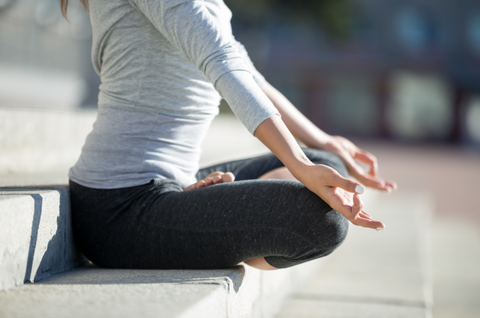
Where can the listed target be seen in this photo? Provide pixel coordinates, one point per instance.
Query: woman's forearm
(275, 136)
(299, 125)
(305, 131)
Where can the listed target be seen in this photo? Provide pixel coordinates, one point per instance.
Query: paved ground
(450, 173)
(452, 176)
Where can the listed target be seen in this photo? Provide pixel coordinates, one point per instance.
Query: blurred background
(395, 69)
(403, 70)
(399, 77)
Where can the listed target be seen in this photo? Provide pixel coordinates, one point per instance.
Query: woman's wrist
(274, 134)
(299, 169)
(321, 140)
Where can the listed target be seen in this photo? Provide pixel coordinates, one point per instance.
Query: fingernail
(359, 189)
(375, 165)
(379, 229)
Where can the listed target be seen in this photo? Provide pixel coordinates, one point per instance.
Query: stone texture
(333, 309)
(35, 238)
(115, 300)
(94, 292)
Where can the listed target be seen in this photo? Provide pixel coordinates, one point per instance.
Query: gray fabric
(160, 226)
(164, 65)
(130, 147)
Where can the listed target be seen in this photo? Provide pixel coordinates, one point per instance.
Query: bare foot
(260, 263)
(212, 178)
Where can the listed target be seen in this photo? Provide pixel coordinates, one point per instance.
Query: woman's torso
(155, 106)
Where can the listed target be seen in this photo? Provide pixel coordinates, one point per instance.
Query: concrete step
(35, 235)
(375, 274)
(94, 292)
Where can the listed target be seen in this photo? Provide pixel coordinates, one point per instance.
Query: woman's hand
(348, 152)
(340, 193)
(212, 178)
(309, 134)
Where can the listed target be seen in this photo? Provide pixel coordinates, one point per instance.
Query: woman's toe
(228, 177)
(214, 174)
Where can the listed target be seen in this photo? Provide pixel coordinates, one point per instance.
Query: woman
(164, 65)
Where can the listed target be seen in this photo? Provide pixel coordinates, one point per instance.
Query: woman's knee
(328, 233)
(316, 241)
(337, 232)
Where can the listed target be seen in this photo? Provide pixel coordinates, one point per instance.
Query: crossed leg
(279, 173)
(222, 177)
(276, 170)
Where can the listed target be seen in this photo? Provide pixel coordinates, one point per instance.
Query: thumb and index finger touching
(356, 213)
(369, 178)
(368, 159)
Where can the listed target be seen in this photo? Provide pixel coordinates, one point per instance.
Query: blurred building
(408, 69)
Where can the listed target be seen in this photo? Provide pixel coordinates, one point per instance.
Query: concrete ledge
(35, 239)
(94, 292)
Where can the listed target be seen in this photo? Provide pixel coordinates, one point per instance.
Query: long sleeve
(246, 58)
(193, 30)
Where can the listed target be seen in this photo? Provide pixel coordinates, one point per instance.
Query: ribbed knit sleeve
(190, 27)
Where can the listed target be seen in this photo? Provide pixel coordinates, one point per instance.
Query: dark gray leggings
(160, 226)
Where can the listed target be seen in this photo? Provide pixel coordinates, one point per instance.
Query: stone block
(90, 291)
(35, 239)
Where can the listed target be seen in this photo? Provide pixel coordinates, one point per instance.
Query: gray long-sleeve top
(164, 65)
